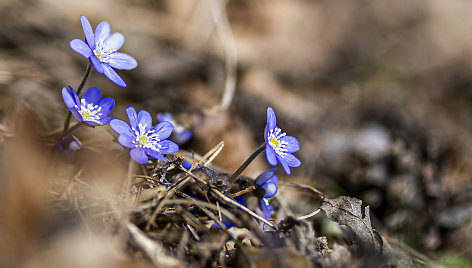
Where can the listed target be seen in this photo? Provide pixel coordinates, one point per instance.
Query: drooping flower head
(143, 139)
(91, 109)
(279, 146)
(180, 134)
(268, 181)
(67, 146)
(101, 49)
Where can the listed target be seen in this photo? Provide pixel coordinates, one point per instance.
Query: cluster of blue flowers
(101, 49)
(140, 135)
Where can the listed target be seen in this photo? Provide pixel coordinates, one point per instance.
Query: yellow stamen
(274, 142)
(87, 115)
(143, 139)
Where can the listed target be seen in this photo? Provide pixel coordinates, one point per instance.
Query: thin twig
(206, 211)
(153, 250)
(206, 159)
(308, 215)
(245, 209)
(320, 194)
(245, 191)
(224, 211)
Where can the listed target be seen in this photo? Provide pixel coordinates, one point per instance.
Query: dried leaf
(346, 210)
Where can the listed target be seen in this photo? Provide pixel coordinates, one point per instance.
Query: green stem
(247, 162)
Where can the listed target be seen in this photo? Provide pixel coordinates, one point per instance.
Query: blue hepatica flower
(180, 135)
(268, 181)
(225, 220)
(91, 109)
(67, 146)
(101, 49)
(143, 139)
(279, 146)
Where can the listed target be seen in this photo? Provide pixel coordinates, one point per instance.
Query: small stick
(234, 203)
(210, 155)
(155, 252)
(308, 215)
(304, 187)
(245, 191)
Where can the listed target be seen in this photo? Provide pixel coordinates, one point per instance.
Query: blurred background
(379, 94)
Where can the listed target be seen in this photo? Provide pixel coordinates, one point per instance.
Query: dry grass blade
(205, 160)
(309, 215)
(153, 250)
(234, 203)
(303, 187)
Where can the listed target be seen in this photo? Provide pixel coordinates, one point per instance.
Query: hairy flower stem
(79, 89)
(247, 162)
(126, 186)
(70, 130)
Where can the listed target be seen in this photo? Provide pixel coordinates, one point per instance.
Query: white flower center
(89, 112)
(274, 138)
(146, 139)
(101, 53)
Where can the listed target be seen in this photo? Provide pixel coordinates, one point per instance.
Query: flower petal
(182, 137)
(122, 61)
(265, 176)
(271, 119)
(138, 155)
(92, 95)
(126, 140)
(70, 98)
(92, 123)
(107, 105)
(120, 127)
(292, 161)
(270, 155)
(155, 154)
(165, 117)
(292, 144)
(114, 42)
(96, 64)
(102, 32)
(265, 209)
(240, 199)
(163, 129)
(106, 120)
(168, 147)
(271, 189)
(133, 117)
(113, 76)
(81, 47)
(145, 119)
(88, 32)
(284, 164)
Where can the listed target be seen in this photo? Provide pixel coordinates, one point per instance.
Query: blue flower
(180, 135)
(227, 223)
(279, 146)
(143, 139)
(91, 109)
(67, 146)
(101, 49)
(268, 181)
